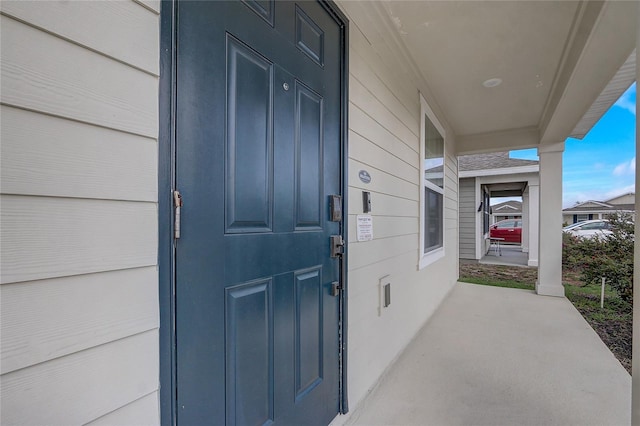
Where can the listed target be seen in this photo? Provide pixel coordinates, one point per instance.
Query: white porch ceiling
(556, 60)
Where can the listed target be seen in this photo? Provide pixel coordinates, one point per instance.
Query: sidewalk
(496, 356)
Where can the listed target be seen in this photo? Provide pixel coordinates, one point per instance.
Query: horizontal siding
(363, 254)
(47, 319)
(141, 412)
(393, 266)
(382, 182)
(467, 218)
(49, 156)
(153, 5)
(131, 29)
(363, 73)
(81, 387)
(362, 58)
(45, 237)
(384, 205)
(45, 73)
(381, 159)
(365, 126)
(78, 177)
(386, 226)
(360, 95)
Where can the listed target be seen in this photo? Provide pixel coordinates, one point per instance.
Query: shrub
(610, 256)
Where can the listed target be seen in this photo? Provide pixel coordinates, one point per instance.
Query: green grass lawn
(494, 283)
(588, 298)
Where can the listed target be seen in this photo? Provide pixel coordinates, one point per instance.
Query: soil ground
(613, 323)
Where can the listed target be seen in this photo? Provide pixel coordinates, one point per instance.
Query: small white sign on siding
(364, 227)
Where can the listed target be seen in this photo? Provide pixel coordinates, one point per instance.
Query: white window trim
(431, 256)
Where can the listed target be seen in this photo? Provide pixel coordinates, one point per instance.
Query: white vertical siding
(384, 129)
(79, 292)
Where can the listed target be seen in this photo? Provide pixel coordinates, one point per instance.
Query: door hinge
(177, 204)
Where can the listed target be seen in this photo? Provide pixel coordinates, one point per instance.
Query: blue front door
(258, 154)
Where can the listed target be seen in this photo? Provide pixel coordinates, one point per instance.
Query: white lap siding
(79, 280)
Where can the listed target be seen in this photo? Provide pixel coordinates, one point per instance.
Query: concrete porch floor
(497, 356)
(511, 255)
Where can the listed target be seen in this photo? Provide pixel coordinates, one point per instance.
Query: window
(432, 186)
(594, 225)
(581, 217)
(507, 224)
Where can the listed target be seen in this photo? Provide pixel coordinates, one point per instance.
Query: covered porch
(499, 356)
(522, 75)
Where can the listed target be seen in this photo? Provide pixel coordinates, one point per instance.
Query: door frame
(167, 184)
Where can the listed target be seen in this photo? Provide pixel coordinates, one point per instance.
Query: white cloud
(628, 101)
(626, 168)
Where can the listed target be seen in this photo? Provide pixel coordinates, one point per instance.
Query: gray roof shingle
(495, 160)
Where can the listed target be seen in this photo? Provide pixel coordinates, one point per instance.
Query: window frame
(427, 257)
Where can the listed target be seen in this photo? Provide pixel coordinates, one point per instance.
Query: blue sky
(602, 165)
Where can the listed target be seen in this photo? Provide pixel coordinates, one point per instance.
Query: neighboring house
(511, 209)
(483, 176)
(232, 300)
(600, 209)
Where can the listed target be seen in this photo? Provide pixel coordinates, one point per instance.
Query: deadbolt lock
(335, 288)
(337, 246)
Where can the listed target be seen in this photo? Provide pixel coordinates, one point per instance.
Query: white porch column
(550, 224)
(534, 223)
(525, 221)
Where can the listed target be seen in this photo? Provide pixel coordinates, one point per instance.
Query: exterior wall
(571, 218)
(384, 129)
(79, 285)
(468, 208)
(623, 199)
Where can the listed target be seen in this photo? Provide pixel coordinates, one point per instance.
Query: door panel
(249, 141)
(308, 333)
(309, 157)
(258, 154)
(309, 37)
(249, 346)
